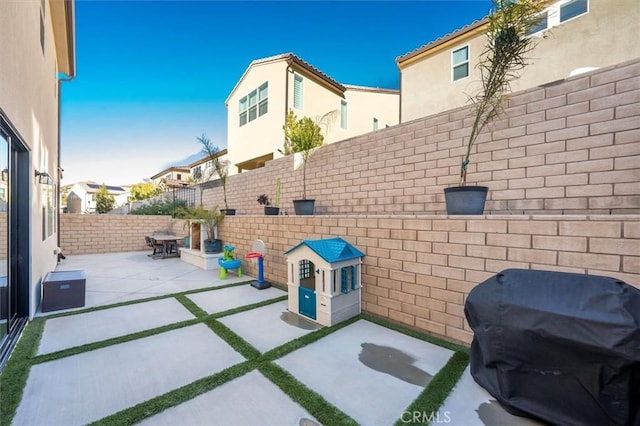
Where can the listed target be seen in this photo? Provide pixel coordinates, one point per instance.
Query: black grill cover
(562, 347)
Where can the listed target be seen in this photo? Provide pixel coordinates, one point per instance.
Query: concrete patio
(110, 359)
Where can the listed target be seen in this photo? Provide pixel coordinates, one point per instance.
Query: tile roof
(445, 38)
(294, 59)
(330, 249)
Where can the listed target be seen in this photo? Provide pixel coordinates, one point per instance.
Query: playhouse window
(348, 279)
(305, 269)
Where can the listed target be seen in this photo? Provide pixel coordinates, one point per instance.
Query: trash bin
(561, 347)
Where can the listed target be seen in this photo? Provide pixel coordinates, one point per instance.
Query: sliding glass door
(7, 312)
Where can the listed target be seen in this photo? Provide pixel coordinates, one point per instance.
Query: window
(542, 24)
(375, 123)
(263, 104)
(572, 9)
(242, 107)
(305, 269)
(179, 176)
(460, 63)
(343, 114)
(347, 279)
(297, 91)
(560, 12)
(254, 105)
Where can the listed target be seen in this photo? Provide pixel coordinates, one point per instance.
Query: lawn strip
(415, 333)
(236, 342)
(114, 341)
(148, 299)
(325, 412)
(195, 310)
(175, 397)
(248, 307)
(433, 396)
(15, 373)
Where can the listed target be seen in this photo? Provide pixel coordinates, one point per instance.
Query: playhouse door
(307, 302)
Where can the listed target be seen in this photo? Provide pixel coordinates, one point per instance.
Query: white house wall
(364, 106)
(29, 98)
(607, 35)
(263, 135)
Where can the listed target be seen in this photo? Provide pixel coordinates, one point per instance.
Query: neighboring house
(178, 176)
(573, 36)
(204, 166)
(82, 197)
(172, 177)
(269, 87)
(37, 47)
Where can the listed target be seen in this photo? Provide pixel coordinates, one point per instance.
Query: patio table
(167, 241)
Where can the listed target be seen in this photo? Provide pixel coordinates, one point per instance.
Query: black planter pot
(303, 207)
(271, 211)
(228, 212)
(465, 199)
(213, 246)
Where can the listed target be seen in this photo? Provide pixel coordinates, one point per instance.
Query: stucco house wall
(29, 101)
(606, 35)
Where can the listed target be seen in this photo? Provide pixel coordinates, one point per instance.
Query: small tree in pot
(271, 210)
(220, 167)
(505, 55)
(209, 219)
(303, 136)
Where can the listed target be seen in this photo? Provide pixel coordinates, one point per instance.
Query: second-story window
(375, 123)
(254, 105)
(343, 114)
(297, 91)
(460, 63)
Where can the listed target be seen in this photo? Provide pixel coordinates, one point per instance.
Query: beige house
(204, 166)
(573, 36)
(37, 44)
(258, 104)
(172, 176)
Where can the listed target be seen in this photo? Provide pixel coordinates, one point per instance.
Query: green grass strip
(433, 396)
(13, 378)
(147, 299)
(325, 412)
(196, 310)
(175, 397)
(248, 307)
(415, 333)
(236, 342)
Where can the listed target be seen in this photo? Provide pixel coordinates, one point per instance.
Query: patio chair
(158, 247)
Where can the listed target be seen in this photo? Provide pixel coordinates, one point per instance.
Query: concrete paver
(69, 331)
(370, 372)
(269, 326)
(248, 400)
(233, 297)
(79, 389)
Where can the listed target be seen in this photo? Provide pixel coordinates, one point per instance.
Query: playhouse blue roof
(330, 249)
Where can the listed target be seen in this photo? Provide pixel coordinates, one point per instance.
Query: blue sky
(154, 75)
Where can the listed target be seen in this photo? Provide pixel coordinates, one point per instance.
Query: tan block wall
(569, 148)
(83, 233)
(418, 270)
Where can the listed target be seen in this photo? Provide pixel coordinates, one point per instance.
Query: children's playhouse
(323, 280)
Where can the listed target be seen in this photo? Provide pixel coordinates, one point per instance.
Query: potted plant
(221, 168)
(302, 136)
(209, 219)
(271, 210)
(505, 55)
